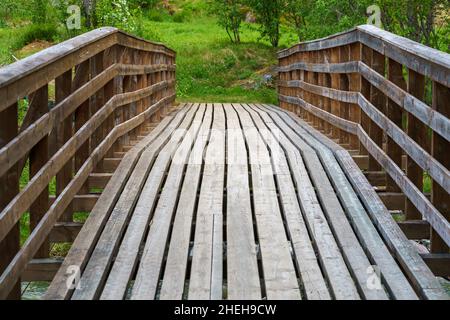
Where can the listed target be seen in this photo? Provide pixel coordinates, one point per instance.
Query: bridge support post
(38, 158)
(394, 112)
(9, 188)
(63, 88)
(440, 148)
(82, 115)
(418, 132)
(355, 86)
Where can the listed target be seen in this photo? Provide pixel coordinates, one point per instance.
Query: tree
(230, 17)
(268, 14)
(296, 13)
(414, 19)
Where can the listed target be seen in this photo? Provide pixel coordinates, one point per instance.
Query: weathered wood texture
(388, 77)
(233, 201)
(69, 135)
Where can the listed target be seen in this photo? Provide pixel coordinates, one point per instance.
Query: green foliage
(230, 16)
(33, 32)
(268, 15)
(40, 8)
(296, 12)
(417, 19)
(117, 13)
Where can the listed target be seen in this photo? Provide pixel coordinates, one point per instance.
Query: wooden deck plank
(353, 253)
(173, 284)
(206, 279)
(278, 268)
(393, 277)
(318, 227)
(177, 151)
(242, 266)
(305, 257)
(334, 266)
(86, 240)
(96, 270)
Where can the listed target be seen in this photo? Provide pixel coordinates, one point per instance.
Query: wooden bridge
(227, 201)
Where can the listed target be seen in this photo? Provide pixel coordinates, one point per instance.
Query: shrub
(117, 13)
(181, 16)
(268, 15)
(33, 32)
(230, 16)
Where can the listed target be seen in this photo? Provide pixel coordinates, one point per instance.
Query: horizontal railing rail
(62, 112)
(388, 98)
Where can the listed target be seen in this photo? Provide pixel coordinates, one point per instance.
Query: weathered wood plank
(13, 211)
(175, 273)
(94, 275)
(9, 187)
(242, 267)
(90, 233)
(177, 150)
(206, 278)
(364, 232)
(373, 244)
(440, 196)
(41, 270)
(63, 89)
(278, 269)
(310, 274)
(338, 276)
(421, 277)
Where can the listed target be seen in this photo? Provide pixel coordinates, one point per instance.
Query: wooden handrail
(430, 62)
(109, 86)
(353, 87)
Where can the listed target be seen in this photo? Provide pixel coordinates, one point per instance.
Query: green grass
(212, 69)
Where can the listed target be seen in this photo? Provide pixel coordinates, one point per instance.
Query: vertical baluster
(9, 188)
(63, 88)
(315, 81)
(378, 99)
(327, 83)
(394, 113)
(81, 117)
(440, 151)
(418, 132)
(119, 87)
(321, 82)
(366, 57)
(355, 86)
(344, 56)
(109, 58)
(97, 101)
(335, 84)
(38, 158)
(127, 86)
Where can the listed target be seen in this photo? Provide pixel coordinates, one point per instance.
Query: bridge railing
(84, 99)
(389, 98)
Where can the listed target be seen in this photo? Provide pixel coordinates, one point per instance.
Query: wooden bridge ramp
(236, 201)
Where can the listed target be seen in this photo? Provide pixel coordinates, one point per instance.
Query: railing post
(377, 98)
(440, 151)
(344, 56)
(335, 84)
(63, 88)
(109, 58)
(394, 112)
(366, 57)
(38, 158)
(97, 101)
(9, 188)
(418, 132)
(355, 86)
(81, 117)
